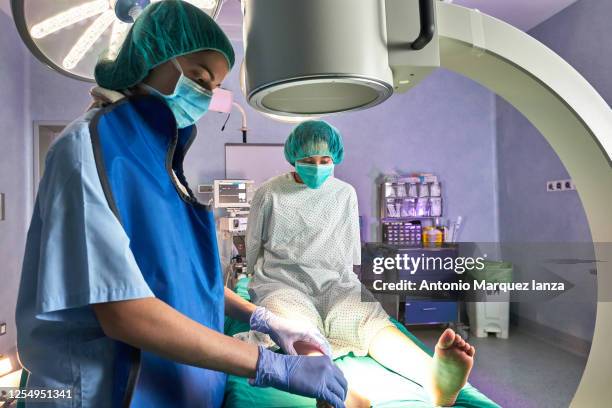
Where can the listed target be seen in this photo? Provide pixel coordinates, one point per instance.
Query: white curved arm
(575, 120)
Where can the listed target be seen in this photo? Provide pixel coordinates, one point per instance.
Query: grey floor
(522, 371)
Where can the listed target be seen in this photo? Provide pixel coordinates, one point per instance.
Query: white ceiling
(524, 14)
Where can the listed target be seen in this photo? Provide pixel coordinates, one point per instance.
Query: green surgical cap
(165, 30)
(314, 138)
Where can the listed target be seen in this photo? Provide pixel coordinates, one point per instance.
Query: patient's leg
(353, 400)
(443, 376)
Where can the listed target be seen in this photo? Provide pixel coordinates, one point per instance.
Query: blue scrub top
(109, 225)
(77, 254)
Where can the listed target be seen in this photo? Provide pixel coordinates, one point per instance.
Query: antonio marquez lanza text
(405, 285)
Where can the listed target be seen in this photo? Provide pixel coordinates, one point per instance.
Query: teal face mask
(314, 175)
(189, 101)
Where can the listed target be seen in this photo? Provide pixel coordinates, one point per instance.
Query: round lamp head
(320, 95)
(70, 35)
(315, 57)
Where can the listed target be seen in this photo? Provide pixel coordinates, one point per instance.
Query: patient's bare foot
(453, 360)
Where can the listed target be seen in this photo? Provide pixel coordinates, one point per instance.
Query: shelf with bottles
(428, 231)
(411, 211)
(415, 196)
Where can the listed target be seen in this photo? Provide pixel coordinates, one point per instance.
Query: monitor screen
(233, 193)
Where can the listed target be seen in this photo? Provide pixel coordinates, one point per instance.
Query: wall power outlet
(560, 185)
(2, 329)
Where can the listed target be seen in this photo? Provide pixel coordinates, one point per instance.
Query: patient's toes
(447, 339)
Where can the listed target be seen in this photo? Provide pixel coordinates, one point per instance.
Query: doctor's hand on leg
(315, 377)
(137, 322)
(285, 333)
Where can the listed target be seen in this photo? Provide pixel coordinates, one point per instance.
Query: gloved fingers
(260, 320)
(336, 388)
(318, 340)
(334, 400)
(285, 344)
(323, 343)
(339, 376)
(289, 349)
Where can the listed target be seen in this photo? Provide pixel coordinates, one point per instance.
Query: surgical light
(70, 35)
(316, 57)
(293, 120)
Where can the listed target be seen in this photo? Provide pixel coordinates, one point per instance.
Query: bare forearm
(238, 308)
(154, 326)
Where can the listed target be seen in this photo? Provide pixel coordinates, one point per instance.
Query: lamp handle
(428, 24)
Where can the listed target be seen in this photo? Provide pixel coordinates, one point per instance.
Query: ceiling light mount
(128, 10)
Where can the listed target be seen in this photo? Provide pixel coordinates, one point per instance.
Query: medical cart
(410, 205)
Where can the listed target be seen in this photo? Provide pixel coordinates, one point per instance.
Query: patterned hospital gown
(301, 247)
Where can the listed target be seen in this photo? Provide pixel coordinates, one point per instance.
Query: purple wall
(527, 212)
(446, 125)
(14, 172)
(54, 97)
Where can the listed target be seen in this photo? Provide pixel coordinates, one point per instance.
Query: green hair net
(314, 138)
(165, 30)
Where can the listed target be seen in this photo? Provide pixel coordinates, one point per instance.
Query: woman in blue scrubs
(122, 299)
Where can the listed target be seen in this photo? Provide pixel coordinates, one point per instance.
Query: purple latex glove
(315, 377)
(285, 332)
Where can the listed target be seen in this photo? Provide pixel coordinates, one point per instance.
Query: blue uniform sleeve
(85, 257)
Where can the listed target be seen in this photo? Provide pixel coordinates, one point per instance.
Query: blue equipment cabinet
(427, 307)
(431, 310)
